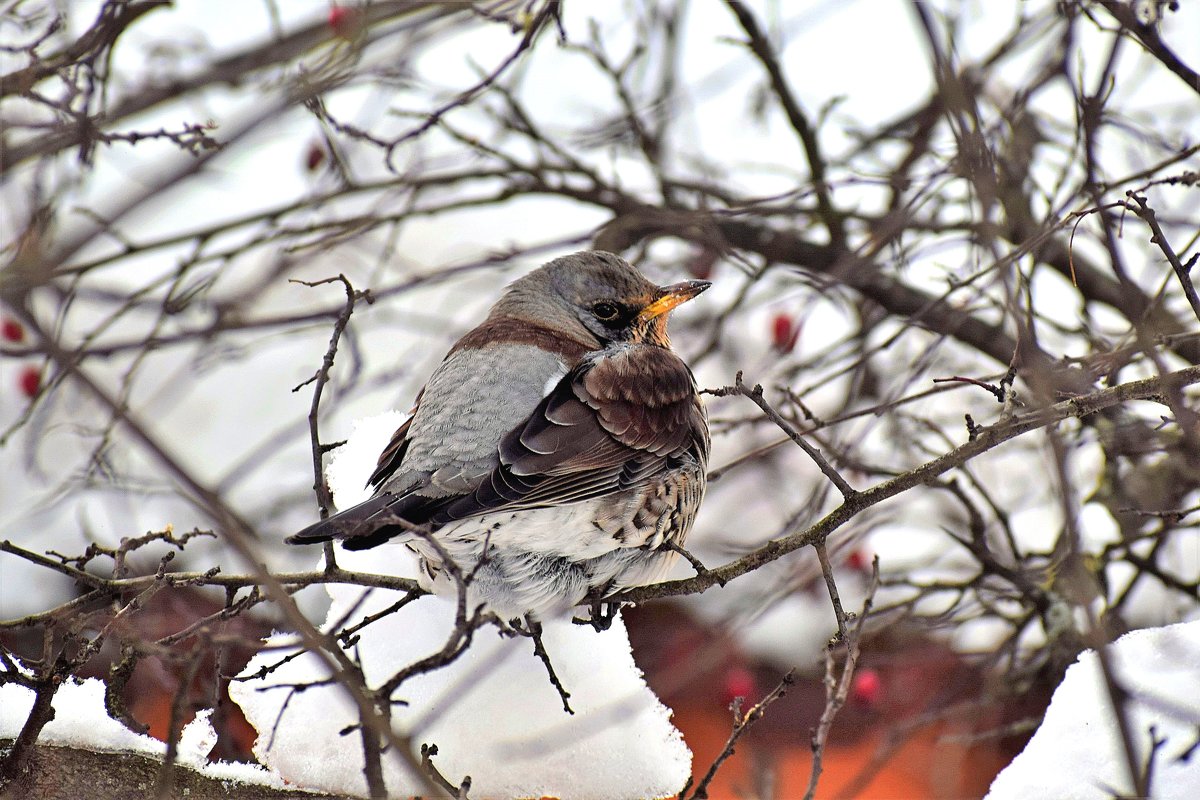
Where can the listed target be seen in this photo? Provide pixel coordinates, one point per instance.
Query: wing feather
(610, 423)
(619, 417)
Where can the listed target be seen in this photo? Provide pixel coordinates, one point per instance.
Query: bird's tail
(355, 523)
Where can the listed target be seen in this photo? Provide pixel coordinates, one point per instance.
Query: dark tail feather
(352, 523)
(372, 522)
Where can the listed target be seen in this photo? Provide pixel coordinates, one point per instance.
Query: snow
(492, 713)
(81, 721)
(347, 471)
(196, 740)
(1076, 754)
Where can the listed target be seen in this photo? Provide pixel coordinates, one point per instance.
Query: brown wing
(609, 424)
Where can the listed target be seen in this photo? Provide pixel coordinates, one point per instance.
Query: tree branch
(987, 438)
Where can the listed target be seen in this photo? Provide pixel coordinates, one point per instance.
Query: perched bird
(556, 454)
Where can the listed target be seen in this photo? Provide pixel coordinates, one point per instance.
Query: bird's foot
(600, 614)
(511, 627)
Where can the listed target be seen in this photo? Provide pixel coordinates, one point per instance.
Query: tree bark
(69, 773)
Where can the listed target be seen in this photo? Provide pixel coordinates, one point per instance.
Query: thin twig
(756, 396)
(834, 596)
(321, 377)
(548, 11)
(1182, 271)
(534, 632)
(428, 751)
(741, 724)
(796, 118)
(676, 547)
(837, 690)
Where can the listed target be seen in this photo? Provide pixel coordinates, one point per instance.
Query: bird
(558, 453)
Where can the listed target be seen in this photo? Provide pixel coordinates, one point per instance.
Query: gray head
(596, 297)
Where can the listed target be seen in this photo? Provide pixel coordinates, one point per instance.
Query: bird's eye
(605, 312)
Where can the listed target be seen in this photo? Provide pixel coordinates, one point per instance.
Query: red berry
(315, 157)
(13, 331)
(867, 687)
(739, 682)
(858, 560)
(30, 381)
(784, 333)
(345, 22)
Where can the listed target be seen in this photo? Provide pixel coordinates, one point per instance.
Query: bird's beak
(671, 296)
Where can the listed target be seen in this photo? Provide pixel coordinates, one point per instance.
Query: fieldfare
(558, 452)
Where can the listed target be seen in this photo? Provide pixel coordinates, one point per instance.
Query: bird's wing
(609, 424)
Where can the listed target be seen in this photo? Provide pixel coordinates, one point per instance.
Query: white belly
(538, 561)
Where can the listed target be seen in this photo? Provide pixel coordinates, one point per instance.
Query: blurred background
(883, 193)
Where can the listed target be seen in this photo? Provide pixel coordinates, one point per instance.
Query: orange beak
(671, 296)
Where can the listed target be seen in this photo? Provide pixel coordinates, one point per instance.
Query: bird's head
(597, 295)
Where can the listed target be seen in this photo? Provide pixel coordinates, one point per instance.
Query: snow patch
(1076, 754)
(81, 721)
(492, 713)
